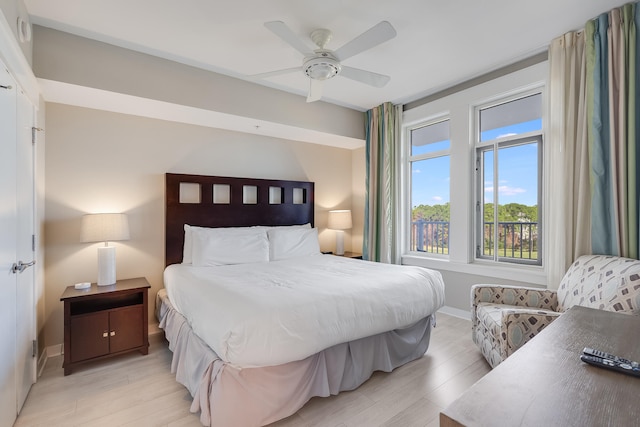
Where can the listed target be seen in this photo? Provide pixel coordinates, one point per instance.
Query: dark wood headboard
(295, 205)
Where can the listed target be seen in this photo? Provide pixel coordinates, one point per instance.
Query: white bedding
(276, 312)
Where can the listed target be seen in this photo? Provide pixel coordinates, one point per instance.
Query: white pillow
(287, 243)
(187, 248)
(222, 246)
(290, 227)
(287, 227)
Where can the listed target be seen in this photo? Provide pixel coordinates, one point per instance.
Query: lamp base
(106, 265)
(339, 242)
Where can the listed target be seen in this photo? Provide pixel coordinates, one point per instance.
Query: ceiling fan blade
(315, 90)
(374, 36)
(281, 30)
(367, 77)
(275, 73)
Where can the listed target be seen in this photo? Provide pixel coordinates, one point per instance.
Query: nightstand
(104, 321)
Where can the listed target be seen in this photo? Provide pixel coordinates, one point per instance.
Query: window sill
(522, 273)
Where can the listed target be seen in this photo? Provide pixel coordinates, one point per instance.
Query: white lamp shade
(340, 220)
(104, 227)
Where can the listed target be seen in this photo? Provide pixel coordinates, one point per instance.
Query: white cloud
(437, 198)
(416, 171)
(505, 190)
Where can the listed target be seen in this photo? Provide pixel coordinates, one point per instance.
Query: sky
(517, 175)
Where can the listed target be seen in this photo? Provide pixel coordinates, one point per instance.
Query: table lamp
(340, 220)
(105, 227)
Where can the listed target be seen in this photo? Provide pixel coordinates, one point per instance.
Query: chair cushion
(489, 315)
(498, 341)
(486, 331)
(602, 282)
(626, 297)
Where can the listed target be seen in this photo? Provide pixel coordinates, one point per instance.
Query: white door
(25, 315)
(8, 233)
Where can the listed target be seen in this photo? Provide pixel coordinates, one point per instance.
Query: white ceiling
(439, 43)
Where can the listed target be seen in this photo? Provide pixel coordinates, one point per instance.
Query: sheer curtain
(593, 132)
(380, 242)
(569, 196)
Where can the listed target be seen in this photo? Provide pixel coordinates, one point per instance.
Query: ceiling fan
(322, 64)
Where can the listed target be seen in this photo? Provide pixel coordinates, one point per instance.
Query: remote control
(599, 353)
(614, 365)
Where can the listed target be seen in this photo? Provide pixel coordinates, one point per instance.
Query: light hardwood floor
(136, 390)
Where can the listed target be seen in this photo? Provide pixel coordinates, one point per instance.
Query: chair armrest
(519, 326)
(538, 298)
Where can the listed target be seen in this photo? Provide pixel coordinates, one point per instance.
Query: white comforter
(277, 312)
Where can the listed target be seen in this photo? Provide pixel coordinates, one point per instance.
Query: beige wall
(98, 161)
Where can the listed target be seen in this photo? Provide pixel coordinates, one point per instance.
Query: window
(487, 127)
(429, 166)
(509, 178)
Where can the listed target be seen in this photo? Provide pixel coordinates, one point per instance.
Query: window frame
(477, 145)
(458, 102)
(407, 224)
(495, 145)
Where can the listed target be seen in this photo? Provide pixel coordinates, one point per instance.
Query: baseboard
(51, 351)
(455, 312)
(154, 328)
(42, 361)
(54, 350)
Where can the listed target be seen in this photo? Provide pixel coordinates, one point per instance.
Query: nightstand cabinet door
(125, 328)
(89, 336)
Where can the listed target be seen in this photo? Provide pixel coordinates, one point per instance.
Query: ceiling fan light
(321, 68)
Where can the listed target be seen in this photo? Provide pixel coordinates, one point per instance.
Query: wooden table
(546, 384)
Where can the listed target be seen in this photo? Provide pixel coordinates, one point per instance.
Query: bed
(258, 320)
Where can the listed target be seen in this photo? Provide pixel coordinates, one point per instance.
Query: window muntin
(509, 227)
(430, 171)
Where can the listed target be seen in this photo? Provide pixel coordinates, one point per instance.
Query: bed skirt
(228, 395)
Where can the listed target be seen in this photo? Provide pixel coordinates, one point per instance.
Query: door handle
(21, 266)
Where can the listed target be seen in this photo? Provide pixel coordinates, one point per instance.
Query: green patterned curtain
(381, 198)
(612, 113)
(594, 139)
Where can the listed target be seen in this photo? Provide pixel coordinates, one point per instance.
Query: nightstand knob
(105, 334)
(113, 333)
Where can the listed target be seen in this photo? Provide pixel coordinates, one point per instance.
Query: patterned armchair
(504, 318)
